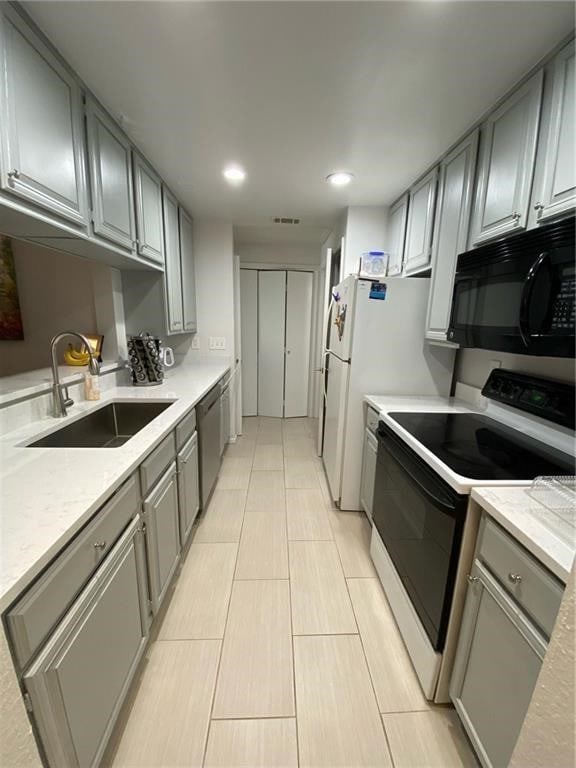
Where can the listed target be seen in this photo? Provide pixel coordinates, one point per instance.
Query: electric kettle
(147, 359)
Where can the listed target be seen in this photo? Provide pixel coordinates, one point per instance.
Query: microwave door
(535, 299)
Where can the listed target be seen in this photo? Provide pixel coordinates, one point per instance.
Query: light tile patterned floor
(279, 648)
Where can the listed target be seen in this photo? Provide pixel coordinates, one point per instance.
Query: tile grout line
(210, 718)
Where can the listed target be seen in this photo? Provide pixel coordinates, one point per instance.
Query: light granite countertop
(549, 537)
(47, 494)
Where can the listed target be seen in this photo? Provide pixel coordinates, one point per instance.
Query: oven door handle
(524, 319)
(395, 451)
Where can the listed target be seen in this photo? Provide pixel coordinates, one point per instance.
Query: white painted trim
(425, 659)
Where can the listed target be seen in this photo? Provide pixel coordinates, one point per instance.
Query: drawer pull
(100, 545)
(472, 579)
(515, 578)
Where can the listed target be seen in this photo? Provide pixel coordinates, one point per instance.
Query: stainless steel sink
(108, 427)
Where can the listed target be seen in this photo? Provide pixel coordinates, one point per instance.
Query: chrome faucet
(62, 399)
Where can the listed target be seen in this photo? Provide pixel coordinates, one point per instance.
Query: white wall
(547, 735)
(474, 365)
(214, 266)
(57, 293)
(366, 229)
(279, 253)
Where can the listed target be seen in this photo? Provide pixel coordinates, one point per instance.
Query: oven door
(420, 519)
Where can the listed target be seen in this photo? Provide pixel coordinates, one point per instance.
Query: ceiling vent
(285, 220)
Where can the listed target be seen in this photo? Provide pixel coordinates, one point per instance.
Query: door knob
(472, 579)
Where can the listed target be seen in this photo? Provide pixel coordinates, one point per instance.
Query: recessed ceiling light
(234, 174)
(340, 178)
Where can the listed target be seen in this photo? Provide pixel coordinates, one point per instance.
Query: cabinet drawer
(185, 429)
(43, 605)
(536, 590)
(155, 464)
(372, 418)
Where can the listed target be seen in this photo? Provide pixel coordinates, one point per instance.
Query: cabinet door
(42, 148)
(418, 251)
(173, 269)
(188, 486)
(110, 178)
(162, 535)
(368, 472)
(188, 279)
(508, 150)
(497, 664)
(397, 235)
(451, 232)
(149, 230)
(559, 185)
(78, 683)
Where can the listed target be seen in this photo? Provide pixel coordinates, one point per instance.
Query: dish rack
(557, 494)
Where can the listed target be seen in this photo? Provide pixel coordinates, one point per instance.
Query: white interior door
(249, 340)
(271, 336)
(321, 363)
(298, 336)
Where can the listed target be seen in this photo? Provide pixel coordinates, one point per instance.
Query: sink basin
(108, 427)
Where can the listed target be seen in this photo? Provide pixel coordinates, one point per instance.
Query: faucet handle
(66, 397)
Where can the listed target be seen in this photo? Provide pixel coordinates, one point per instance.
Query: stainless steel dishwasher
(208, 418)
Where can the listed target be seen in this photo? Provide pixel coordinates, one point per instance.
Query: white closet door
(249, 340)
(298, 330)
(271, 335)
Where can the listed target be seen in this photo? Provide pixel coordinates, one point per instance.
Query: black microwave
(518, 294)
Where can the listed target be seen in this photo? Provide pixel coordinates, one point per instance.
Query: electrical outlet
(195, 342)
(217, 342)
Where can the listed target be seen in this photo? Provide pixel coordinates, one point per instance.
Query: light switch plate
(195, 342)
(217, 342)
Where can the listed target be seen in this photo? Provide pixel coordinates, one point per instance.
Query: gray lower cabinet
(188, 275)
(418, 250)
(188, 486)
(173, 269)
(109, 154)
(79, 681)
(498, 661)
(558, 193)
(148, 198)
(368, 472)
(161, 517)
(397, 235)
(506, 165)
(451, 232)
(42, 156)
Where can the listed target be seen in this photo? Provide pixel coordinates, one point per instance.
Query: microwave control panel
(564, 306)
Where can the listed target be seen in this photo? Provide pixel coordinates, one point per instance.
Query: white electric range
(431, 452)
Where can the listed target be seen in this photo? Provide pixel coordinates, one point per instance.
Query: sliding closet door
(249, 340)
(271, 335)
(298, 329)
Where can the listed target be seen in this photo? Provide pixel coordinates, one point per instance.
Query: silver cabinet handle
(515, 578)
(472, 579)
(15, 174)
(100, 545)
(538, 207)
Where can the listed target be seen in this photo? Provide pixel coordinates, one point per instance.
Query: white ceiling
(295, 90)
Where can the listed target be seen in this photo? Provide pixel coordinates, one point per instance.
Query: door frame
(313, 384)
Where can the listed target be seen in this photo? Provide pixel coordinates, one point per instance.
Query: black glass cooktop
(481, 448)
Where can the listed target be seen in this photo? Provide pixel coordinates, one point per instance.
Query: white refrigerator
(375, 346)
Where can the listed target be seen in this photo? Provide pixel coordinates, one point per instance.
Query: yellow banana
(74, 356)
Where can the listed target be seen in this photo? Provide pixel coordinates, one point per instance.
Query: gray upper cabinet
(110, 178)
(188, 486)
(80, 679)
(418, 251)
(42, 146)
(148, 194)
(451, 232)
(188, 278)
(397, 235)
(162, 535)
(173, 269)
(506, 167)
(558, 192)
